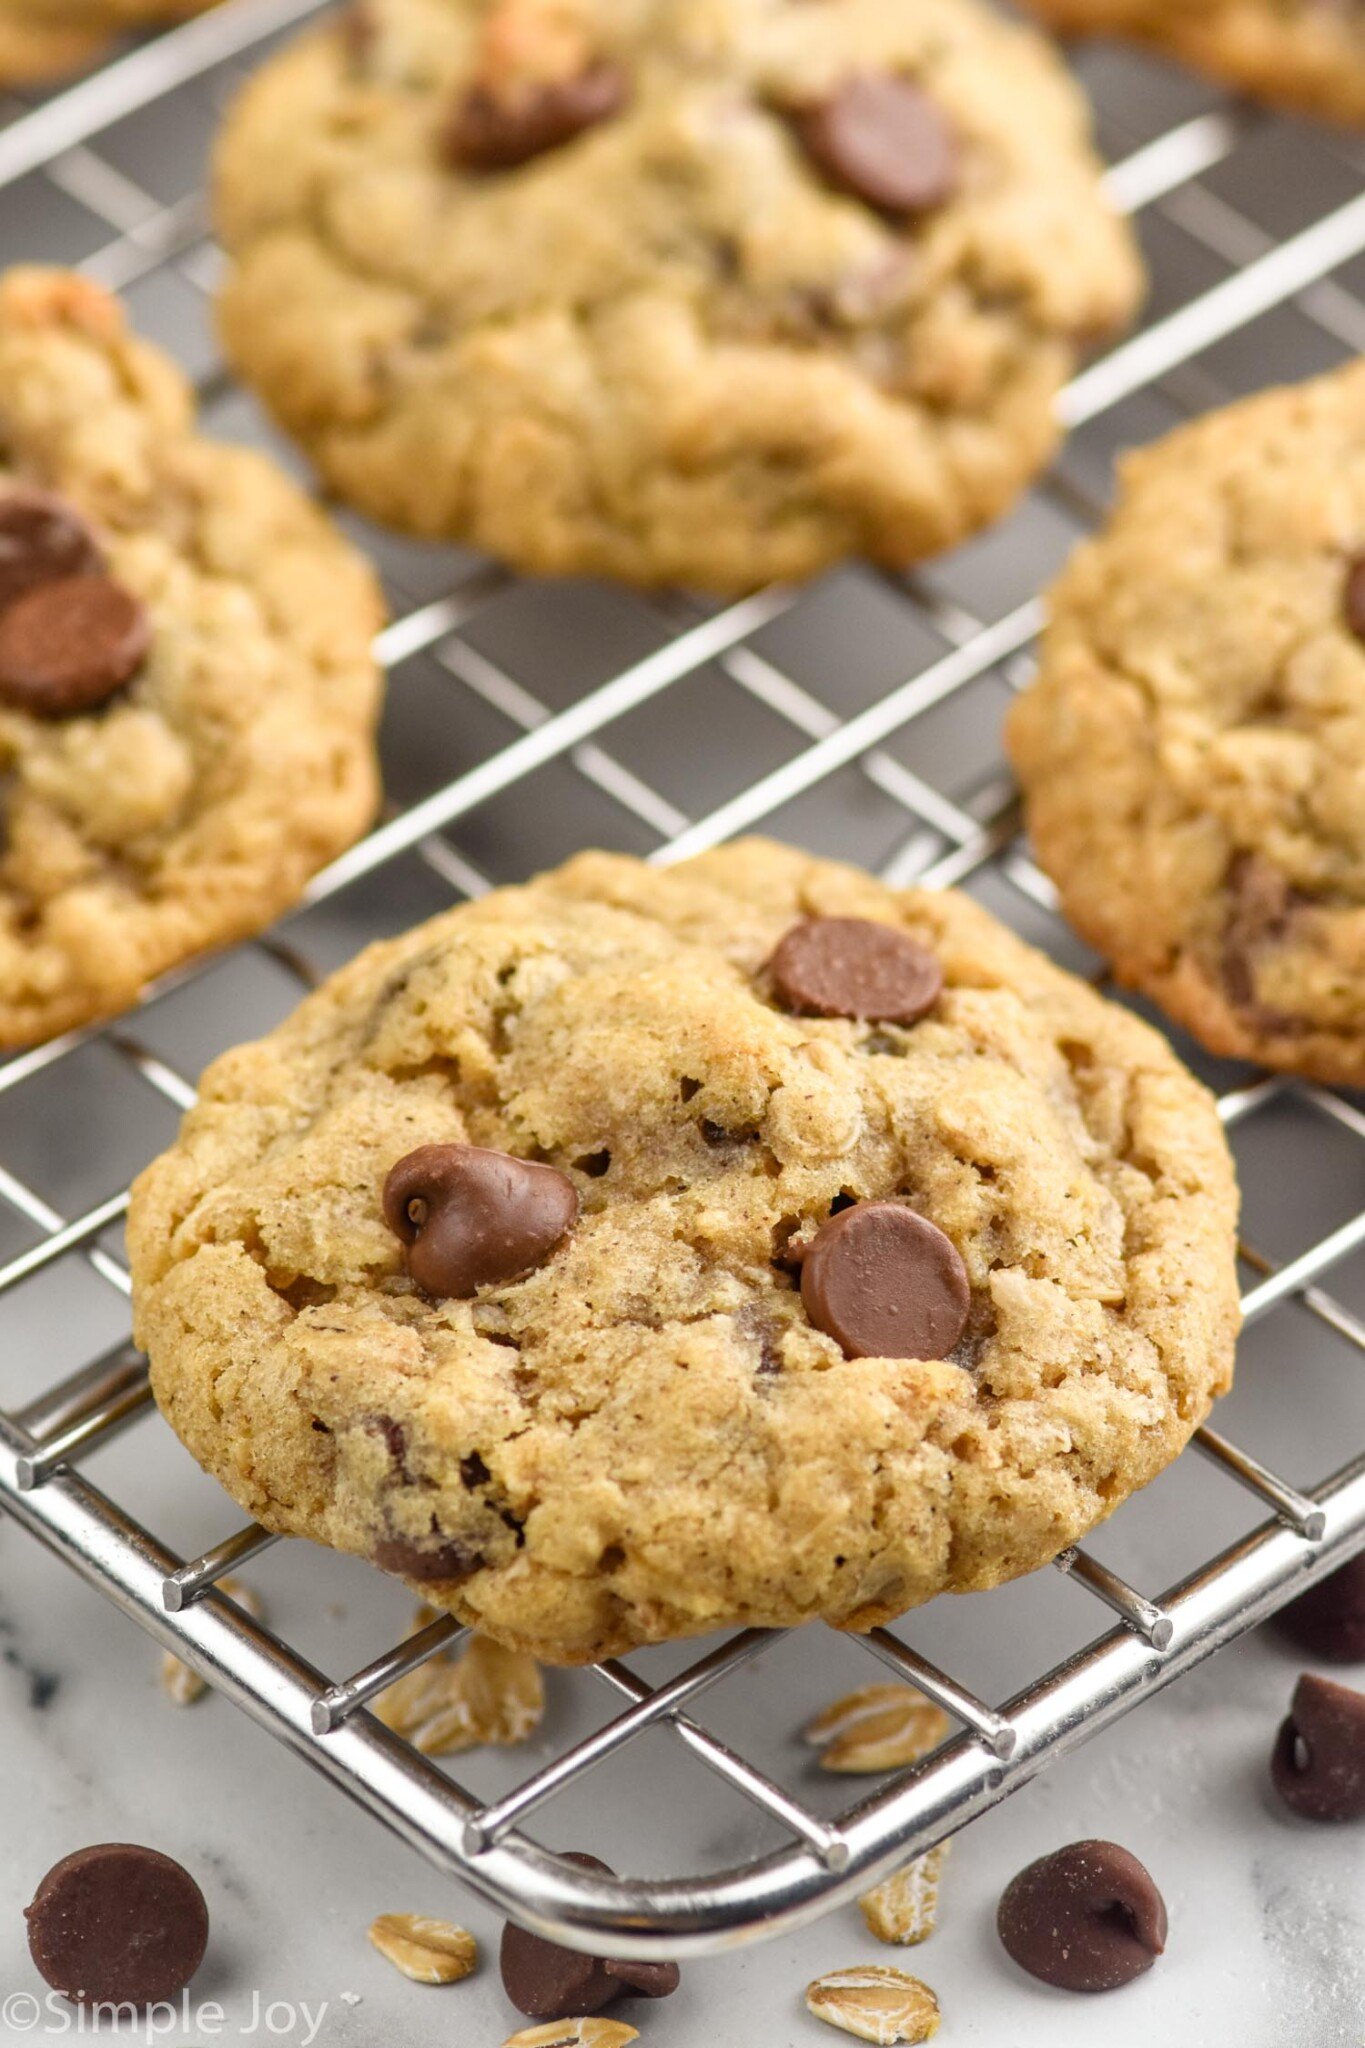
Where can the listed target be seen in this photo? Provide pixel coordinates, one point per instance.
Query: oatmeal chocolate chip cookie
(493, 1264)
(1305, 53)
(1193, 752)
(704, 291)
(187, 693)
(43, 38)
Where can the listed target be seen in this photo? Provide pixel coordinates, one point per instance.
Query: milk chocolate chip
(884, 1282)
(1318, 1763)
(67, 645)
(1329, 1619)
(119, 1925)
(472, 1218)
(854, 967)
(546, 1981)
(41, 538)
(1353, 600)
(1085, 1918)
(883, 139)
(496, 132)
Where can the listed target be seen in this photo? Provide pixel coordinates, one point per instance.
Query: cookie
(699, 291)
(589, 1265)
(1303, 53)
(187, 692)
(1193, 751)
(41, 39)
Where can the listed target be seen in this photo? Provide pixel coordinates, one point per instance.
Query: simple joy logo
(263, 2020)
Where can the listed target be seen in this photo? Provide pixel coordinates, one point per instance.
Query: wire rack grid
(859, 716)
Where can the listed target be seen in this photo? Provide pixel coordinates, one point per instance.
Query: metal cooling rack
(859, 716)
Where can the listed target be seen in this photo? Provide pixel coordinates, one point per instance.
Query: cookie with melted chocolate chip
(187, 691)
(1193, 751)
(614, 1265)
(693, 291)
(1300, 53)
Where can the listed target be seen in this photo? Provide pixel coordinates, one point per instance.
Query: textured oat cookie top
(647, 1436)
(1193, 752)
(190, 805)
(676, 340)
(1308, 53)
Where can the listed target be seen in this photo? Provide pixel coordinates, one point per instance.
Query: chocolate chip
(853, 967)
(489, 132)
(117, 1924)
(395, 1442)
(1329, 1619)
(546, 1981)
(1353, 599)
(472, 1218)
(41, 538)
(1085, 1918)
(883, 139)
(1261, 906)
(67, 645)
(1318, 1763)
(884, 1282)
(426, 1562)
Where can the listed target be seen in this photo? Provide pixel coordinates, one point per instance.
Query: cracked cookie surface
(1193, 751)
(236, 755)
(705, 291)
(646, 1436)
(1304, 53)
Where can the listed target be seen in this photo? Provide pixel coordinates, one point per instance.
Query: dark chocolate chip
(1085, 1918)
(472, 1218)
(884, 1282)
(1329, 1619)
(490, 132)
(1353, 597)
(853, 967)
(426, 1562)
(67, 645)
(42, 538)
(473, 1472)
(546, 1981)
(118, 1924)
(883, 139)
(1318, 1763)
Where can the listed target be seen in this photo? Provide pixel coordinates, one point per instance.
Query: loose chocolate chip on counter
(119, 1925)
(546, 1981)
(883, 139)
(489, 132)
(1329, 1619)
(1354, 596)
(41, 538)
(1085, 1918)
(67, 645)
(1318, 1763)
(472, 1218)
(854, 967)
(884, 1282)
